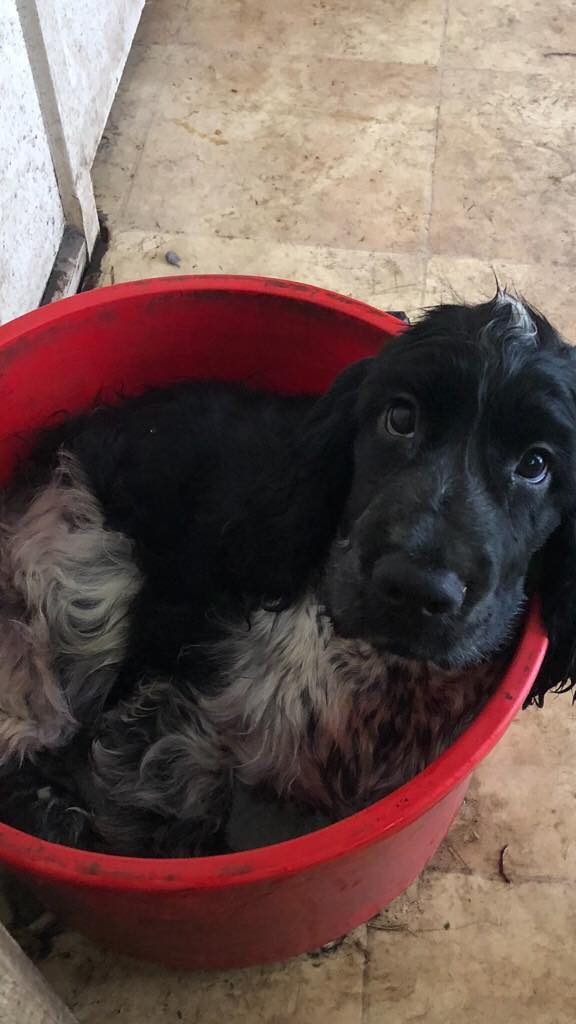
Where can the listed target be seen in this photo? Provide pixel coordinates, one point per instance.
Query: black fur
(249, 490)
(450, 500)
(243, 486)
(234, 497)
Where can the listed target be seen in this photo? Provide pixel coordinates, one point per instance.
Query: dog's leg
(66, 587)
(158, 777)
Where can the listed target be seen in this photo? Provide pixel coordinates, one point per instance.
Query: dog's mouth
(446, 641)
(413, 639)
(473, 629)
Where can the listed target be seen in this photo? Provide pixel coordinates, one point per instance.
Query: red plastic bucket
(272, 903)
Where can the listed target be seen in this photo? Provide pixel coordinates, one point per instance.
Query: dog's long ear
(313, 493)
(331, 424)
(328, 444)
(557, 590)
(555, 577)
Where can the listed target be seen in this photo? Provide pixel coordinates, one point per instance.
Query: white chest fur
(333, 722)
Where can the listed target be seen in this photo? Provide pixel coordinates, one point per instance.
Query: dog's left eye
(534, 465)
(400, 418)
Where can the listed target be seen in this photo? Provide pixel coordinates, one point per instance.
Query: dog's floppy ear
(327, 443)
(306, 494)
(557, 591)
(555, 578)
(332, 421)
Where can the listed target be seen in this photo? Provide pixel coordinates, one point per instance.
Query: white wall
(31, 217)
(60, 64)
(87, 42)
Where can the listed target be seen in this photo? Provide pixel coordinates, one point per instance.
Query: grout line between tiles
(307, 55)
(515, 882)
(415, 253)
(154, 113)
(155, 107)
(366, 976)
(428, 225)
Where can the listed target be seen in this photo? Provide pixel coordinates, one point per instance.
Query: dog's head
(463, 492)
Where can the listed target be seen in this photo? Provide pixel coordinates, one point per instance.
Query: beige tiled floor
(400, 151)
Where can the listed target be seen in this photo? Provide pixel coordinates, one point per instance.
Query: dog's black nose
(401, 582)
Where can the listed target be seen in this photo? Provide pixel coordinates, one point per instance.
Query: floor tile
(549, 287)
(505, 176)
(161, 21)
(263, 174)
(390, 281)
(233, 78)
(531, 35)
(522, 798)
(100, 987)
(401, 30)
(470, 950)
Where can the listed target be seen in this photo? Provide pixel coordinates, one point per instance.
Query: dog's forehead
(519, 351)
(460, 360)
(498, 338)
(509, 320)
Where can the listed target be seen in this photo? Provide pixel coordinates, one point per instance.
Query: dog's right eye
(400, 418)
(534, 465)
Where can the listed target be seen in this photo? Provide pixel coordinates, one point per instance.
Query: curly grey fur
(66, 586)
(325, 722)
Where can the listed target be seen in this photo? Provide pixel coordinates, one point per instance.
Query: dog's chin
(442, 647)
(447, 641)
(446, 660)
